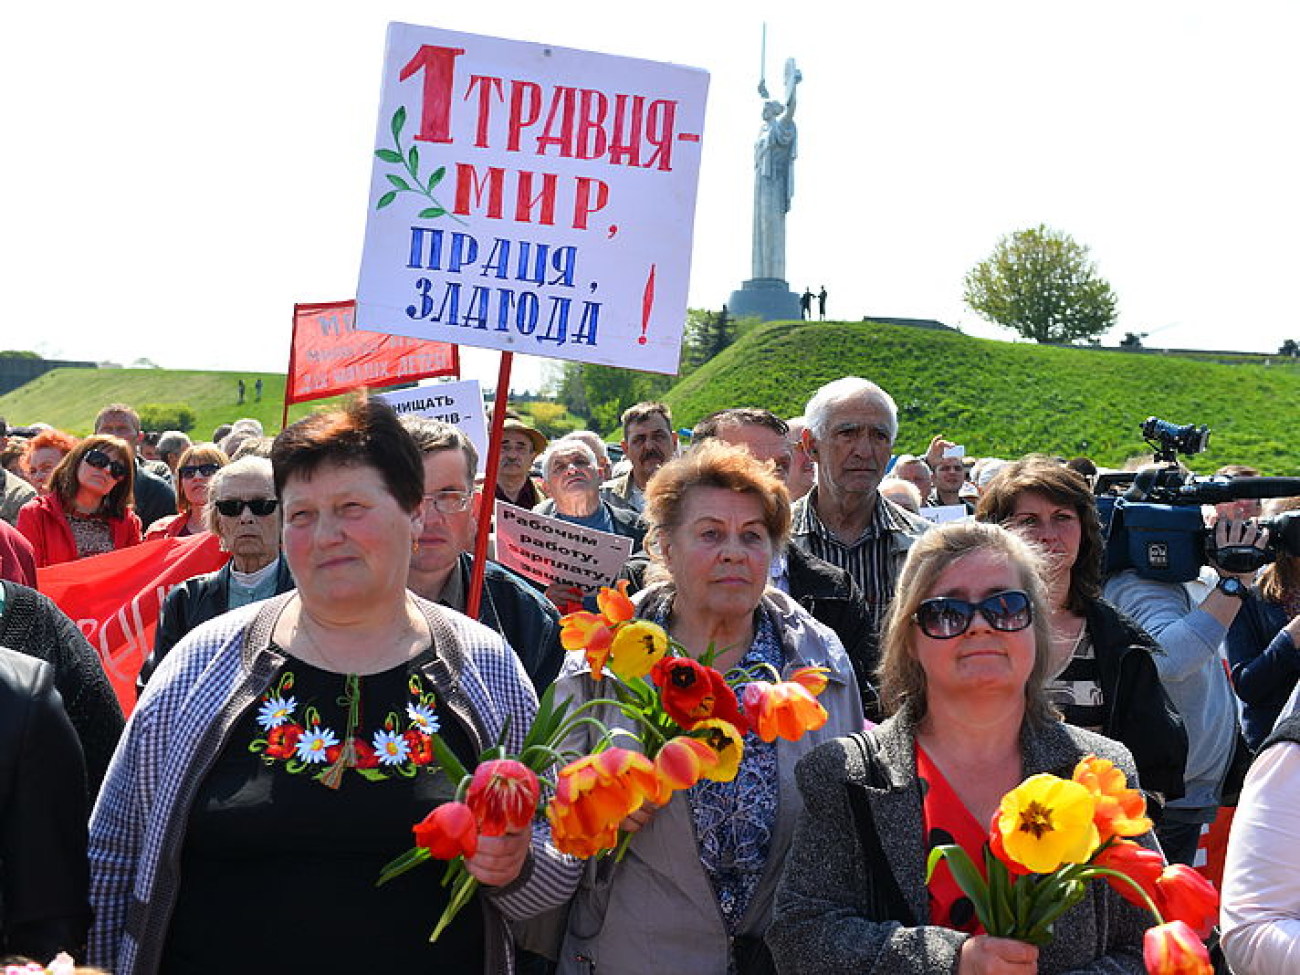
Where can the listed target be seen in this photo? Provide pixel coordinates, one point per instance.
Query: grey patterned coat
(823, 923)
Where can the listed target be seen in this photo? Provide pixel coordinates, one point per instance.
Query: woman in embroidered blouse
(1101, 675)
(194, 473)
(280, 755)
(87, 510)
(965, 653)
(694, 891)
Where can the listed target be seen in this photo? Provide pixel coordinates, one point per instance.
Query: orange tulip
(587, 632)
(785, 710)
(812, 679)
(596, 793)
(1121, 811)
(502, 794)
(614, 604)
(1182, 894)
(1137, 862)
(1174, 949)
(448, 832)
(681, 763)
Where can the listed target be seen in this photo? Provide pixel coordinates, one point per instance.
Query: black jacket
(154, 497)
(193, 602)
(34, 625)
(44, 873)
(527, 620)
(1138, 712)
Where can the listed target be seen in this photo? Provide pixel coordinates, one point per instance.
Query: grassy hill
(70, 398)
(1004, 399)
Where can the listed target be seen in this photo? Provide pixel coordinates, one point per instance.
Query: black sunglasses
(197, 470)
(98, 459)
(944, 618)
(261, 507)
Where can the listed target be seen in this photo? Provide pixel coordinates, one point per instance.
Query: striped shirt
(873, 559)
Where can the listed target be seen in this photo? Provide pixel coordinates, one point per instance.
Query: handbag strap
(885, 901)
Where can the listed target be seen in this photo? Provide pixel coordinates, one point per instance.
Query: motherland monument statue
(767, 294)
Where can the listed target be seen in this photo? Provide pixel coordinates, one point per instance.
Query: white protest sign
(944, 513)
(531, 198)
(460, 404)
(551, 550)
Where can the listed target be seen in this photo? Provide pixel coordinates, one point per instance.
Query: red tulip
(614, 604)
(1174, 949)
(691, 693)
(1137, 862)
(502, 795)
(448, 832)
(1182, 894)
(785, 710)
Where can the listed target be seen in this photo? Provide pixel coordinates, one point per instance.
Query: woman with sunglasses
(1101, 674)
(242, 511)
(964, 658)
(194, 472)
(88, 509)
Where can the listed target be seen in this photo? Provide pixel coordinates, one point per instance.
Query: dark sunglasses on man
(233, 507)
(188, 471)
(101, 461)
(944, 618)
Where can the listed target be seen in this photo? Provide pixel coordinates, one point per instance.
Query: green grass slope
(69, 398)
(1005, 399)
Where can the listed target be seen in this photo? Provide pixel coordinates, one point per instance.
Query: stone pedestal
(768, 299)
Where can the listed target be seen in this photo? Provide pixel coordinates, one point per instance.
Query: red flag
(115, 598)
(329, 356)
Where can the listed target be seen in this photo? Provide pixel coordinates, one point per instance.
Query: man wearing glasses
(243, 512)
(441, 565)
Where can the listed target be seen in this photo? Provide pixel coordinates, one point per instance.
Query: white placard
(459, 403)
(551, 550)
(944, 512)
(531, 198)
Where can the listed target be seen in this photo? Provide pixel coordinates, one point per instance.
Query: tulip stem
(1095, 871)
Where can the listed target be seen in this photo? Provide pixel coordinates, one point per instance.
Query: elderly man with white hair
(845, 520)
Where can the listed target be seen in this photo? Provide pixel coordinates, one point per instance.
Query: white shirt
(1261, 883)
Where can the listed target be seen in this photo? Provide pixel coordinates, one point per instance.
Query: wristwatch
(1232, 586)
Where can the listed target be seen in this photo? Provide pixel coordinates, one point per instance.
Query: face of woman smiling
(721, 552)
(982, 659)
(347, 540)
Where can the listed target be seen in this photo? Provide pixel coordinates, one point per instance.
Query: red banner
(115, 598)
(330, 356)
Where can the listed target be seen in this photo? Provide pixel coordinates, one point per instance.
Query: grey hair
(566, 446)
(817, 412)
(592, 439)
(244, 465)
(172, 442)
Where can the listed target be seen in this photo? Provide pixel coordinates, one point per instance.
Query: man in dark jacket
(154, 497)
(441, 565)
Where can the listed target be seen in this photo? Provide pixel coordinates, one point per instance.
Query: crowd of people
(278, 753)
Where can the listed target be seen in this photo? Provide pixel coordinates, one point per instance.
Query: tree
(1132, 340)
(1289, 348)
(1041, 283)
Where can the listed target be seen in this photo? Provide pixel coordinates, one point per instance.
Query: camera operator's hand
(1233, 544)
(1232, 537)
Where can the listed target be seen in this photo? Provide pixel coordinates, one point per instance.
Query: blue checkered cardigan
(185, 717)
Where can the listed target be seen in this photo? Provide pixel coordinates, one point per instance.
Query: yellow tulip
(637, 647)
(1047, 821)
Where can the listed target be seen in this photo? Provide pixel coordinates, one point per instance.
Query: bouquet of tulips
(686, 724)
(1051, 835)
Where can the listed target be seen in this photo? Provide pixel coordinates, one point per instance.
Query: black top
(284, 867)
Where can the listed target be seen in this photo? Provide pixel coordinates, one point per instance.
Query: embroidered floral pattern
(297, 737)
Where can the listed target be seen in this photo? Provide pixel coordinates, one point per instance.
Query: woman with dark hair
(1264, 641)
(281, 753)
(87, 510)
(194, 471)
(1101, 674)
(694, 891)
(965, 655)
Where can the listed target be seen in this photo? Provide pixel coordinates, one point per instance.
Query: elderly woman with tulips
(709, 821)
(965, 651)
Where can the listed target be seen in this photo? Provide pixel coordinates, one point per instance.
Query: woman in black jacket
(44, 877)
(1101, 675)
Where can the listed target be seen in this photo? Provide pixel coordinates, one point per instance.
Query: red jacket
(46, 526)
